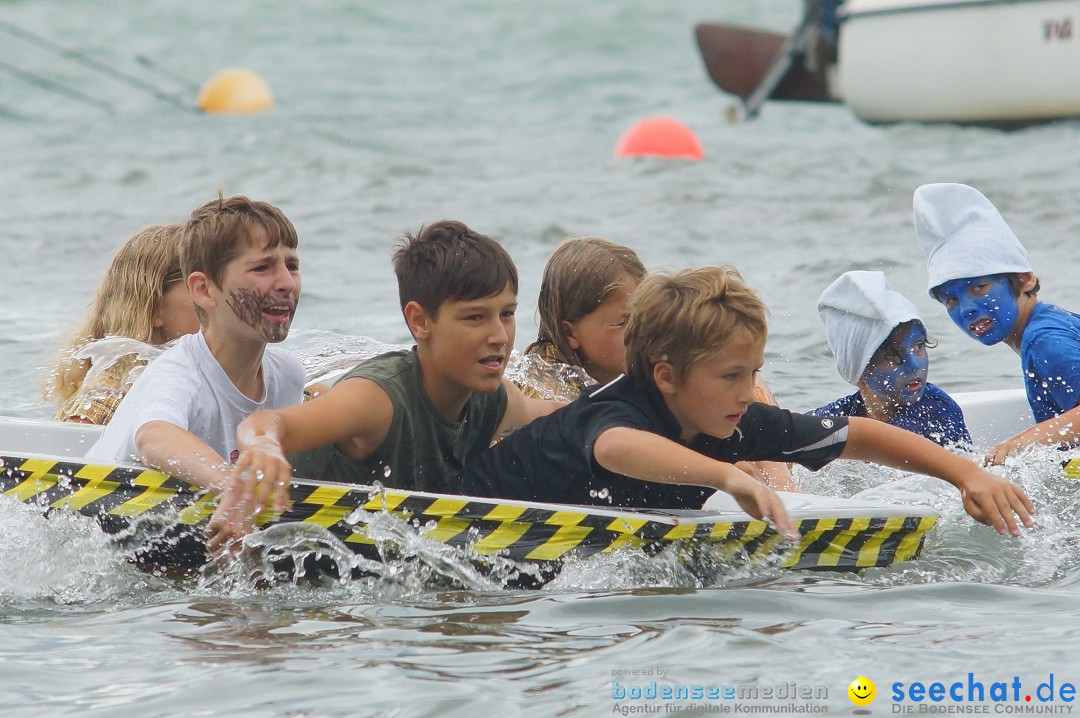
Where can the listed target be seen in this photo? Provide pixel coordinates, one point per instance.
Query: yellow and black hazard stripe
(1071, 468)
(523, 532)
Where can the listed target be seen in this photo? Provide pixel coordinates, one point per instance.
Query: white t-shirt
(187, 387)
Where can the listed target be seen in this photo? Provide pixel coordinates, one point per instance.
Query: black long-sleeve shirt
(552, 459)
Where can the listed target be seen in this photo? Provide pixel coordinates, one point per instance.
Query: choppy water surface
(504, 116)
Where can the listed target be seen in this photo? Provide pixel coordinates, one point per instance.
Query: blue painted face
(897, 372)
(983, 307)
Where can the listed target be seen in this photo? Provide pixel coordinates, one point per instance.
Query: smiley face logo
(862, 691)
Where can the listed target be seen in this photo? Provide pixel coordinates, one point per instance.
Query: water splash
(298, 554)
(959, 549)
(548, 380)
(68, 559)
(677, 566)
(326, 355)
(288, 553)
(64, 558)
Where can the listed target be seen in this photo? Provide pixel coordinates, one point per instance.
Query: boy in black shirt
(668, 433)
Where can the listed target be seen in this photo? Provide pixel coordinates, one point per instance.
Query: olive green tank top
(423, 450)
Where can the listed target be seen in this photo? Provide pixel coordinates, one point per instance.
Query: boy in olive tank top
(409, 419)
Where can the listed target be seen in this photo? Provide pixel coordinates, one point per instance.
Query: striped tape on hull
(524, 532)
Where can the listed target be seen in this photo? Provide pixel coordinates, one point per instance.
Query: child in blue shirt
(982, 274)
(880, 344)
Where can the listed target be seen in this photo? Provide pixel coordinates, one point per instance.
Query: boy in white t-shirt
(240, 264)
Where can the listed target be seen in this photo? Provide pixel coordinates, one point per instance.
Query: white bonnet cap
(963, 235)
(860, 309)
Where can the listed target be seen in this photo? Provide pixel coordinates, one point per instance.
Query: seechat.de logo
(862, 691)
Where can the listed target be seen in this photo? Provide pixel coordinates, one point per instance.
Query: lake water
(505, 115)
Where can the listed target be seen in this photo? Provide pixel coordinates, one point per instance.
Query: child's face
(717, 390)
(175, 314)
(259, 291)
(470, 340)
(897, 372)
(598, 336)
(983, 307)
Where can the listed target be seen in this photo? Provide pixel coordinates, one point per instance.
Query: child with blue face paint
(880, 343)
(982, 275)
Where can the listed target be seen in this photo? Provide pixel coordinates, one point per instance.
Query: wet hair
(446, 261)
(127, 300)
(683, 317)
(579, 276)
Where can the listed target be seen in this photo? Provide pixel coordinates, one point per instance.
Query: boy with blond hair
(667, 434)
(409, 419)
(239, 261)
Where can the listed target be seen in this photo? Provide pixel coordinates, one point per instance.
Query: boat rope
(47, 84)
(89, 62)
(153, 66)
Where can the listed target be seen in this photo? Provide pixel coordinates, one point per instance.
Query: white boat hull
(977, 61)
(40, 464)
(995, 415)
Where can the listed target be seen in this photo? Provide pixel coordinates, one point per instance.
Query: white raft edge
(34, 438)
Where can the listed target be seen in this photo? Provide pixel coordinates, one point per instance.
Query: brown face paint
(248, 307)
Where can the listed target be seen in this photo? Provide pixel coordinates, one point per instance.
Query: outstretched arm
(1062, 430)
(650, 457)
(354, 414)
(988, 498)
(177, 452)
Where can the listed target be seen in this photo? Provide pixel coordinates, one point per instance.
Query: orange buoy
(659, 137)
(236, 91)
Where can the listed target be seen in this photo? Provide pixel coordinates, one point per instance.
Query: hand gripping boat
(40, 464)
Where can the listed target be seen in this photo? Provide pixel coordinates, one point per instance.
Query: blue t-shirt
(935, 416)
(1050, 358)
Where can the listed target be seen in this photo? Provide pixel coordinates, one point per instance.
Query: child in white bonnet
(880, 343)
(982, 274)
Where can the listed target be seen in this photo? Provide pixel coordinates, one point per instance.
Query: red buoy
(659, 137)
